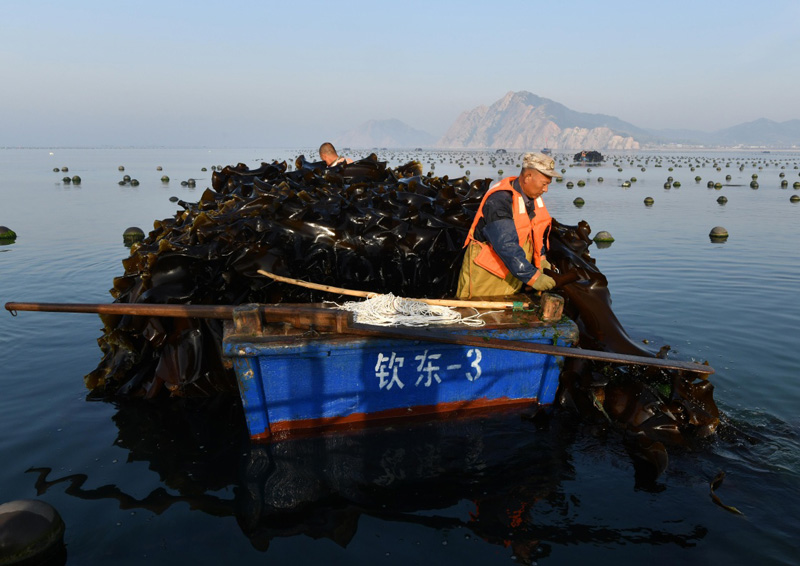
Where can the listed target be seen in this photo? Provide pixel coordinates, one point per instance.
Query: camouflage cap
(541, 162)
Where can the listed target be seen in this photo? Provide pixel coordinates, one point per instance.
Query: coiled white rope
(388, 310)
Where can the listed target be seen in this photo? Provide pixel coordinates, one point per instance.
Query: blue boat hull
(314, 384)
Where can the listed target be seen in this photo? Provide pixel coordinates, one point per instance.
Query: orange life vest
(538, 227)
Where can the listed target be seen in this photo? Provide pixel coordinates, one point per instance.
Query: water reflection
(484, 475)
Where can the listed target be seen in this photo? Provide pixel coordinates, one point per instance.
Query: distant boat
(588, 157)
(547, 150)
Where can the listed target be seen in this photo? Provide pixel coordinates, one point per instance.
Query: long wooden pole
(368, 295)
(135, 309)
(326, 319)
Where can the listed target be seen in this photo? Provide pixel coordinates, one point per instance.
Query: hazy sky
(285, 74)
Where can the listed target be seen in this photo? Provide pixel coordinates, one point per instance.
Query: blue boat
(295, 382)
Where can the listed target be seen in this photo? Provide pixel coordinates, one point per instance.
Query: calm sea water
(137, 482)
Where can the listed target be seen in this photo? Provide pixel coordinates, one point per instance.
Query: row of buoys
(126, 179)
(75, 180)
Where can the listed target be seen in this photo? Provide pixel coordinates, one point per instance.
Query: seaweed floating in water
(368, 227)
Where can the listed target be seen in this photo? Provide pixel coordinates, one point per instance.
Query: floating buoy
(698, 178)
(727, 177)
(579, 202)
(56, 169)
(7, 234)
(65, 169)
(599, 179)
(667, 185)
(132, 235)
(76, 180)
(603, 236)
(31, 532)
(784, 184)
(753, 185)
(570, 185)
(722, 200)
(718, 233)
(134, 182)
(204, 169)
(710, 184)
(718, 186)
(676, 184)
(66, 180)
(126, 178)
(581, 183)
(648, 201)
(159, 168)
(173, 199)
(626, 184)
(796, 185)
(793, 198)
(192, 183)
(164, 179)
(121, 168)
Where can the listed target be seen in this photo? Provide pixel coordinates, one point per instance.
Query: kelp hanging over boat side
(361, 226)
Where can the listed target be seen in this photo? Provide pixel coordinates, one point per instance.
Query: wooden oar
(369, 295)
(325, 319)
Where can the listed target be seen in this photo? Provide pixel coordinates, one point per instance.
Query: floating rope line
(388, 310)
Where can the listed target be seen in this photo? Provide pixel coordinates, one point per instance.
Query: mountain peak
(523, 120)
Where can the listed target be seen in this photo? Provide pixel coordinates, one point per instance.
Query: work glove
(544, 264)
(544, 283)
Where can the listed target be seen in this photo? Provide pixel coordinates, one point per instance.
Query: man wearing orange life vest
(507, 242)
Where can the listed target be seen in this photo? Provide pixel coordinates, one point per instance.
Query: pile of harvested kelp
(361, 226)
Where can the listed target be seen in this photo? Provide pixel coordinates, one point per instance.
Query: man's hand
(544, 283)
(544, 264)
